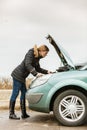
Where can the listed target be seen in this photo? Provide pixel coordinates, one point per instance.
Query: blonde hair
(40, 48)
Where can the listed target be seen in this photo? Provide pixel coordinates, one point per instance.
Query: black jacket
(30, 64)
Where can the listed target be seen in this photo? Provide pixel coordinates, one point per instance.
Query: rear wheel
(70, 108)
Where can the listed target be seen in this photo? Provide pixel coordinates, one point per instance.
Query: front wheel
(70, 108)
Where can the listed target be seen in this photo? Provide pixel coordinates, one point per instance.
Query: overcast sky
(24, 23)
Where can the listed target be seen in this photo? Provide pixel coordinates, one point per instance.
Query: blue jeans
(18, 86)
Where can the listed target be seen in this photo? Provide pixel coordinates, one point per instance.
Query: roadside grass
(6, 83)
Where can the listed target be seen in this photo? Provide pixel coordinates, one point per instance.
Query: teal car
(64, 92)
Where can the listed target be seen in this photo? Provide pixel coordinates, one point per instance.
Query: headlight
(40, 80)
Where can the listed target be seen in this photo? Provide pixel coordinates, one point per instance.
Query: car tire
(70, 108)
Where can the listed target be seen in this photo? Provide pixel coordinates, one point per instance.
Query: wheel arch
(72, 87)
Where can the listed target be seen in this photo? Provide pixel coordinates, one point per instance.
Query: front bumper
(38, 98)
(37, 101)
(34, 98)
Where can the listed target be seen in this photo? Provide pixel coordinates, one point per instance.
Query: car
(63, 92)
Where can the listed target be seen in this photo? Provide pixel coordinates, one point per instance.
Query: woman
(30, 64)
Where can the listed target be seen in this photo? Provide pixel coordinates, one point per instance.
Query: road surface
(37, 121)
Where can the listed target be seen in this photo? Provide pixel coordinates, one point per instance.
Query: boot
(23, 110)
(12, 114)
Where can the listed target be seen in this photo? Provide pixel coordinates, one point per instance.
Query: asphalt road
(37, 121)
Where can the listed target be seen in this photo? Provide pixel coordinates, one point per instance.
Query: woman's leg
(15, 92)
(23, 102)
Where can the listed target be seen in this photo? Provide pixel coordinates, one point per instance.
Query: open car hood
(65, 59)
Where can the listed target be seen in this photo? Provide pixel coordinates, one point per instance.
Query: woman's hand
(49, 72)
(39, 75)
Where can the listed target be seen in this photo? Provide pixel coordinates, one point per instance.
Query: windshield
(84, 67)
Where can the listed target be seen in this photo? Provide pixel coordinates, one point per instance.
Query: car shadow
(46, 119)
(42, 118)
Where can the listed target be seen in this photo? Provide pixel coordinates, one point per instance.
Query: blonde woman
(30, 64)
